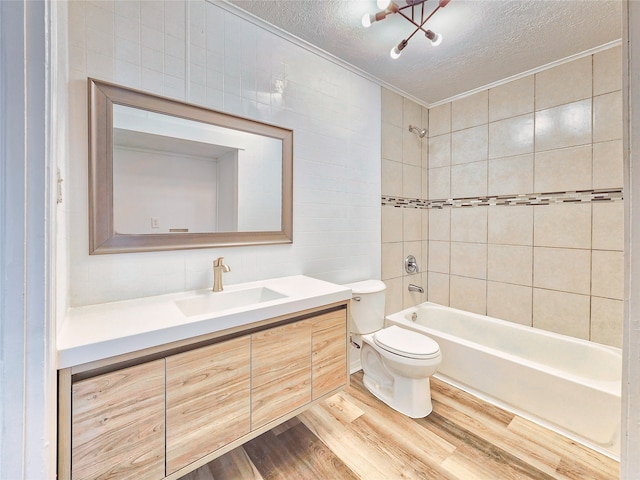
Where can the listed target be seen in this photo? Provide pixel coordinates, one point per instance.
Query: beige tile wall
(556, 267)
(404, 231)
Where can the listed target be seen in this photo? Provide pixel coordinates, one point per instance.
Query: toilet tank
(367, 306)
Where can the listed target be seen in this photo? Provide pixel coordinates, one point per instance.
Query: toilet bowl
(396, 362)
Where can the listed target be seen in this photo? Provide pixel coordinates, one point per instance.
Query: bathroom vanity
(154, 388)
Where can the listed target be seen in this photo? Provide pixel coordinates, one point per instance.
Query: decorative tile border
(552, 198)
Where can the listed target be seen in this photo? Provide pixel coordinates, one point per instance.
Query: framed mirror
(168, 175)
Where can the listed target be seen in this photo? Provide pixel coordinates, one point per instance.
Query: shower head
(421, 132)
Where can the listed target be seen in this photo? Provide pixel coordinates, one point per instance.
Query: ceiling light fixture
(417, 18)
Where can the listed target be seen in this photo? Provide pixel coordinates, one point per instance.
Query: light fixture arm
(419, 26)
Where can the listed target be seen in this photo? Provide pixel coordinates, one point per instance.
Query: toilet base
(409, 396)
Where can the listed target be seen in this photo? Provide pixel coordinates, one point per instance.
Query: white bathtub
(570, 385)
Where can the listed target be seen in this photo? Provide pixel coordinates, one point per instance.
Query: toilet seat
(406, 343)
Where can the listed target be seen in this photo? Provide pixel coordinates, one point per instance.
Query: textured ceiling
(484, 41)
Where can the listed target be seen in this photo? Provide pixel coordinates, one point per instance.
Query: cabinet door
(281, 371)
(117, 428)
(208, 400)
(329, 359)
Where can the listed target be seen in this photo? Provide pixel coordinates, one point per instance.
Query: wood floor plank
(355, 435)
(469, 403)
(478, 455)
(296, 453)
(234, 465)
(343, 409)
(538, 456)
(363, 459)
(584, 462)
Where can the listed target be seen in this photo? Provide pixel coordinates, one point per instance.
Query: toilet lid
(406, 343)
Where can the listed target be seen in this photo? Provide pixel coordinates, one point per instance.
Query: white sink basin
(210, 302)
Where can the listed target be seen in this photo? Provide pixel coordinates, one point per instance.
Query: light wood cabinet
(208, 400)
(280, 371)
(180, 407)
(117, 423)
(329, 353)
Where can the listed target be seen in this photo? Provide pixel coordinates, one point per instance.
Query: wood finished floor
(355, 436)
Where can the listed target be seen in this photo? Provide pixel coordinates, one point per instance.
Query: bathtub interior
(569, 385)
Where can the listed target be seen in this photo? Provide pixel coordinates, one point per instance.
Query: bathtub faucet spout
(415, 288)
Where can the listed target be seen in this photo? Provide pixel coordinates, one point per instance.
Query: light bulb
(366, 20)
(383, 4)
(397, 50)
(436, 40)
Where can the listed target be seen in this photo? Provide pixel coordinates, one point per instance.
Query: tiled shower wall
(404, 174)
(558, 265)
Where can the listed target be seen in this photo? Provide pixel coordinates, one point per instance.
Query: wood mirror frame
(102, 236)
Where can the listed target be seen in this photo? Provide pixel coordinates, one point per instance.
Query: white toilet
(397, 362)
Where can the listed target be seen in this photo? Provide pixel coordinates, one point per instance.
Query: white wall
(201, 53)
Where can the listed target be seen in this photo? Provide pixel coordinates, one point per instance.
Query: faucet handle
(218, 262)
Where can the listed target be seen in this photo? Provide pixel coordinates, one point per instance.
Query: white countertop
(96, 332)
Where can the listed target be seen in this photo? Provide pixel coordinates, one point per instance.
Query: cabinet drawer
(117, 423)
(329, 357)
(281, 371)
(208, 406)
(278, 351)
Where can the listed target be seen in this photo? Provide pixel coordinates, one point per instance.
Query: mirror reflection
(167, 175)
(174, 175)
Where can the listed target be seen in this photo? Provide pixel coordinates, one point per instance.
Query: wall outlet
(155, 222)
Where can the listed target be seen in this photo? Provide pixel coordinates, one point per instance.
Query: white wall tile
(440, 120)
(438, 257)
(439, 183)
(511, 99)
(607, 71)
(565, 83)
(510, 225)
(440, 224)
(439, 151)
(606, 326)
(561, 312)
(411, 181)
(607, 274)
(608, 226)
(565, 169)
(565, 225)
(512, 136)
(608, 164)
(469, 259)
(562, 269)
(564, 126)
(513, 303)
(469, 145)
(469, 224)
(392, 260)
(470, 111)
(468, 294)
(412, 224)
(438, 288)
(511, 175)
(469, 180)
(392, 107)
(510, 264)
(391, 224)
(607, 117)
